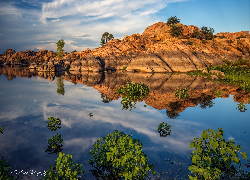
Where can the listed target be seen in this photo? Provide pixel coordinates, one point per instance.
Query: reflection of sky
(26, 104)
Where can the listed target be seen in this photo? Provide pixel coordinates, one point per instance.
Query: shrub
(164, 129)
(132, 92)
(53, 123)
(4, 170)
(124, 68)
(119, 156)
(213, 156)
(172, 20)
(64, 168)
(176, 31)
(207, 33)
(197, 34)
(181, 93)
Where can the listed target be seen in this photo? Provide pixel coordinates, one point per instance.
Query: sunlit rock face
(155, 50)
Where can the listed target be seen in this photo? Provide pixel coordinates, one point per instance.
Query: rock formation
(153, 51)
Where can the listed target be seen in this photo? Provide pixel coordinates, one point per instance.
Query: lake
(89, 109)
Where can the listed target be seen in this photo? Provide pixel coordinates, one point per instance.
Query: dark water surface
(27, 103)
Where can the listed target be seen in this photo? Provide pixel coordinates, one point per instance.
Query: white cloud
(56, 20)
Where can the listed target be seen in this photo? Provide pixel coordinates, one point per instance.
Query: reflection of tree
(164, 129)
(132, 92)
(205, 101)
(60, 86)
(105, 98)
(175, 108)
(241, 107)
(55, 144)
(119, 156)
(1, 130)
(53, 123)
(213, 157)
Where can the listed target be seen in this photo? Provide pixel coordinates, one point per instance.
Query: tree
(55, 144)
(172, 20)
(213, 157)
(64, 168)
(60, 86)
(176, 31)
(106, 37)
(119, 156)
(54, 123)
(207, 33)
(60, 45)
(131, 93)
(105, 98)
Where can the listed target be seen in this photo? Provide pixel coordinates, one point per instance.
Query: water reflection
(60, 86)
(23, 142)
(55, 144)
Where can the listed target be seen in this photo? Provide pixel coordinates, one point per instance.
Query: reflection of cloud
(84, 143)
(230, 138)
(56, 20)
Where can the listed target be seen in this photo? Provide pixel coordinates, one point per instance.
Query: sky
(39, 24)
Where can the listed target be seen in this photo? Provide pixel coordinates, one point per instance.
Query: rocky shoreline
(153, 51)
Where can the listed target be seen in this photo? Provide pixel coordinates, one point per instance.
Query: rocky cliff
(155, 50)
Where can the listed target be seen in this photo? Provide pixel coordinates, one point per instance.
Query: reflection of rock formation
(162, 87)
(12, 72)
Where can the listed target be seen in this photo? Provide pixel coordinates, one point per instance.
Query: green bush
(119, 156)
(213, 157)
(54, 123)
(241, 107)
(181, 93)
(197, 34)
(176, 31)
(4, 170)
(124, 68)
(131, 93)
(164, 129)
(207, 33)
(55, 144)
(172, 20)
(64, 168)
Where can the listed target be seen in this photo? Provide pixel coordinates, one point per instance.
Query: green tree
(119, 156)
(53, 123)
(207, 33)
(131, 93)
(106, 37)
(176, 31)
(60, 86)
(214, 155)
(4, 170)
(55, 144)
(60, 45)
(172, 20)
(164, 129)
(64, 168)
(105, 98)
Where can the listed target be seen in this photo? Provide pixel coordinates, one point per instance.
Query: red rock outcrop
(153, 51)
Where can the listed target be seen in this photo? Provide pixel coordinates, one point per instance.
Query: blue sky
(39, 24)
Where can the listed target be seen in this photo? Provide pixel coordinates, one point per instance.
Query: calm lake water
(28, 100)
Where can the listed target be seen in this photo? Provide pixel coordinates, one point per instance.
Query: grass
(237, 73)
